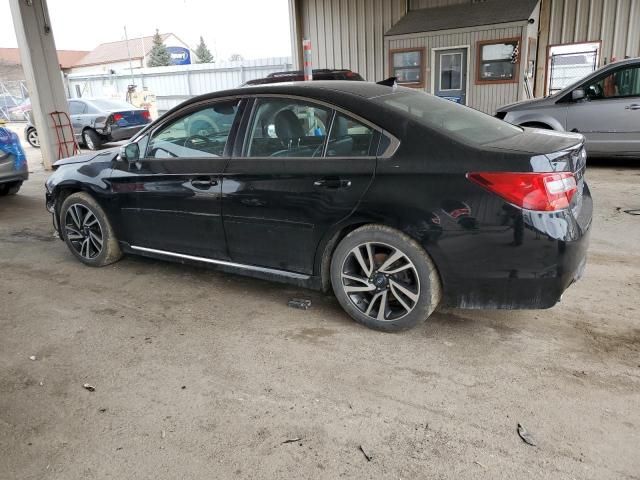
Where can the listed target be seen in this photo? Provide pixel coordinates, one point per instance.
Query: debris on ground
(301, 303)
(32, 357)
(102, 410)
(183, 387)
(292, 440)
(366, 455)
(478, 463)
(635, 211)
(163, 434)
(526, 436)
(91, 388)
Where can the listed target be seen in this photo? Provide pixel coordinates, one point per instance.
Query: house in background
(112, 57)
(484, 53)
(474, 54)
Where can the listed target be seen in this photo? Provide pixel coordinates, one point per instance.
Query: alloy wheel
(32, 138)
(83, 230)
(88, 141)
(381, 281)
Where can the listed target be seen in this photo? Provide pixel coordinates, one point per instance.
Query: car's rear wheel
(32, 138)
(10, 188)
(87, 231)
(384, 279)
(91, 139)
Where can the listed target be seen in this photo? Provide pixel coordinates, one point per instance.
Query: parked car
(99, 120)
(399, 200)
(13, 163)
(298, 76)
(604, 107)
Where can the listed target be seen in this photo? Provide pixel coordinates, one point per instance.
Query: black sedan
(99, 120)
(397, 200)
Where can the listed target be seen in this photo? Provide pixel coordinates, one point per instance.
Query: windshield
(469, 125)
(106, 104)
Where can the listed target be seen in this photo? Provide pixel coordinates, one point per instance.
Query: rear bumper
(117, 133)
(526, 266)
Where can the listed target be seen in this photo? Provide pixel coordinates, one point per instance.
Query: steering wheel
(201, 142)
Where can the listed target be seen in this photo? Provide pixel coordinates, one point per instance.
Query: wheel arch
(324, 252)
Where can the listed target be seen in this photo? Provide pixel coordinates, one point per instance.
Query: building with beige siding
(482, 53)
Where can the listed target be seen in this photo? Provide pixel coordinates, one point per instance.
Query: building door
(451, 74)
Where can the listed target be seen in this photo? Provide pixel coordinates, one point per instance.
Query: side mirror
(578, 94)
(130, 152)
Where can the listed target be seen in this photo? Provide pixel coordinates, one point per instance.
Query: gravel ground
(200, 374)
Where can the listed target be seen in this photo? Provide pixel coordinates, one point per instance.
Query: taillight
(117, 117)
(146, 115)
(532, 191)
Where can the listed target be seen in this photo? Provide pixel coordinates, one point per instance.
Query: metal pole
(308, 67)
(128, 53)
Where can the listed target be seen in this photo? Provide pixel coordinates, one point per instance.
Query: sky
(252, 28)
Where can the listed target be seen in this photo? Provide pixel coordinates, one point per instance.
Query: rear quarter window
(464, 123)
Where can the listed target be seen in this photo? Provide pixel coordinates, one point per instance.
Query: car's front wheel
(32, 138)
(384, 279)
(87, 231)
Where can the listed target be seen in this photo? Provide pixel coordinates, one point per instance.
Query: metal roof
(489, 12)
(117, 51)
(66, 58)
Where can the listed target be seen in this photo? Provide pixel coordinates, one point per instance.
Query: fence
(172, 85)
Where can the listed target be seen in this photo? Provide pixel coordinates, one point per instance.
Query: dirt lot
(199, 374)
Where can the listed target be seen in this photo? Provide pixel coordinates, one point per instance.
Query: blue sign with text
(179, 55)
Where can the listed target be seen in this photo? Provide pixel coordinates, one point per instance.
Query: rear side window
(349, 138)
(287, 128)
(467, 124)
(77, 108)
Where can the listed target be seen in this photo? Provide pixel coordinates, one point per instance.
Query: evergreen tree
(158, 56)
(203, 53)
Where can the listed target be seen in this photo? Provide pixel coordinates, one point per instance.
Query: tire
(32, 138)
(410, 285)
(10, 188)
(91, 139)
(87, 231)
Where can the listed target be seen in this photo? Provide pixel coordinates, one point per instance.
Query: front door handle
(204, 183)
(332, 182)
(633, 106)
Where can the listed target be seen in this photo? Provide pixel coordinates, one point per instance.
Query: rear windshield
(106, 104)
(469, 125)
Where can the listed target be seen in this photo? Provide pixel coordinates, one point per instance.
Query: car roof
(311, 89)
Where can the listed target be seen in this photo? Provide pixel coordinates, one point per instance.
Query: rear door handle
(204, 183)
(633, 106)
(332, 182)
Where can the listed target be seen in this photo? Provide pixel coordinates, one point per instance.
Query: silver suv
(604, 107)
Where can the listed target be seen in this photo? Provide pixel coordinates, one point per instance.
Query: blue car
(13, 163)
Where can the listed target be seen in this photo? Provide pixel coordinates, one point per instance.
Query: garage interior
(201, 374)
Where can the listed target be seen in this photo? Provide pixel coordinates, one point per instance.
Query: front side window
(199, 134)
(408, 67)
(287, 128)
(498, 61)
(349, 138)
(624, 82)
